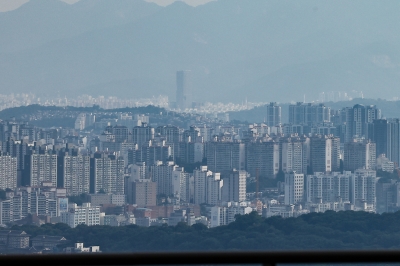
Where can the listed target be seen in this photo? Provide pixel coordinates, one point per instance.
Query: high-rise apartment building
(386, 134)
(234, 185)
(143, 193)
(262, 156)
(107, 174)
(183, 89)
(40, 168)
(200, 177)
(74, 173)
(359, 155)
(8, 172)
(172, 137)
(207, 186)
(18, 149)
(294, 188)
(328, 187)
(121, 133)
(308, 114)
(274, 114)
(295, 153)
(161, 173)
(182, 185)
(85, 214)
(142, 134)
(225, 156)
(357, 120)
(363, 188)
(324, 153)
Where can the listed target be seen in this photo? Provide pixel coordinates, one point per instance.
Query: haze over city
(259, 50)
(198, 125)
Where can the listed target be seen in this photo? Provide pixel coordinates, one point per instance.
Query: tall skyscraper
(183, 89)
(386, 135)
(357, 120)
(274, 114)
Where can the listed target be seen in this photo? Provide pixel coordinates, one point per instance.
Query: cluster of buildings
(19, 242)
(136, 169)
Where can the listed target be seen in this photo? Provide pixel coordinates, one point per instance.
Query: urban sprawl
(135, 168)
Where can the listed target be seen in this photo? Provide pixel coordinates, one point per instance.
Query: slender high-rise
(274, 114)
(183, 89)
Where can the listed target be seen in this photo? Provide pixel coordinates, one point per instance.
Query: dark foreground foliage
(330, 230)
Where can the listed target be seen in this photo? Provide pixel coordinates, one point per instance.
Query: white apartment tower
(85, 214)
(363, 187)
(294, 188)
(328, 187)
(295, 154)
(200, 184)
(182, 185)
(74, 173)
(42, 168)
(8, 172)
(107, 174)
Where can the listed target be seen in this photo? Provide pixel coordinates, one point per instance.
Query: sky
(8, 5)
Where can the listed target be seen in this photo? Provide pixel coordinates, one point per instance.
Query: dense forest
(329, 230)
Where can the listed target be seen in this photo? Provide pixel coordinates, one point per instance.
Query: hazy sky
(7, 5)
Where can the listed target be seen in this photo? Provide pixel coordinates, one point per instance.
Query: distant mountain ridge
(265, 50)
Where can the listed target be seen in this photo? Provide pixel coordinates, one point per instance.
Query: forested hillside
(329, 230)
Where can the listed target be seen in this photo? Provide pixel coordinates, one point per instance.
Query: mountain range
(259, 50)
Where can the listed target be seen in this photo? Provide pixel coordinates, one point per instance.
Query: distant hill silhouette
(265, 50)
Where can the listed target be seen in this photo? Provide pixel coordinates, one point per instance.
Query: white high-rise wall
(181, 185)
(226, 214)
(294, 188)
(328, 187)
(109, 174)
(200, 184)
(363, 187)
(295, 153)
(8, 172)
(76, 174)
(43, 168)
(85, 214)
